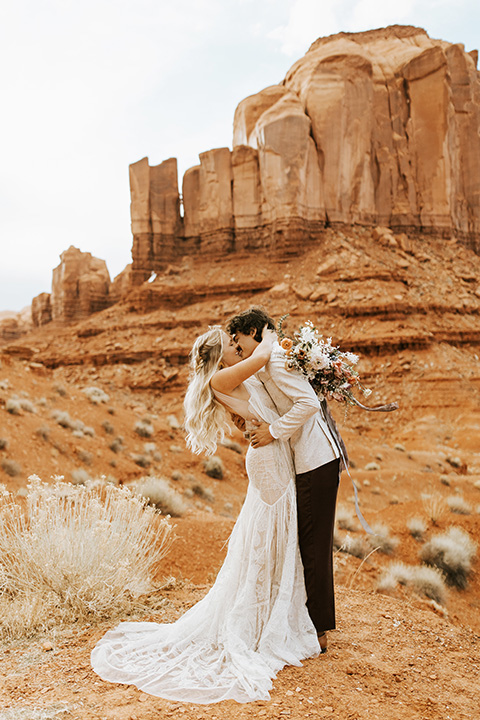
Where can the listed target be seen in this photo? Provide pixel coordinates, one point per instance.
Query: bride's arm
(227, 379)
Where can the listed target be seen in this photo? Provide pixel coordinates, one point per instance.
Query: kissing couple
(273, 599)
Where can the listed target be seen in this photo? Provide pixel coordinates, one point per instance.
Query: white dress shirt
(301, 421)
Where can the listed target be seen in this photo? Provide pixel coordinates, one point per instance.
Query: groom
(317, 452)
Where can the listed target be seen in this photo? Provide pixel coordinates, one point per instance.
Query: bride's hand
(264, 347)
(268, 337)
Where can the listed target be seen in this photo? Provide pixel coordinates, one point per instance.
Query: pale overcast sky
(90, 86)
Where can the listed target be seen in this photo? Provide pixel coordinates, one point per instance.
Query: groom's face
(245, 343)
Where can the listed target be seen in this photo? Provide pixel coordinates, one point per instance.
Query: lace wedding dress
(254, 619)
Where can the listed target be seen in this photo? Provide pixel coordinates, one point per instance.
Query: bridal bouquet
(330, 371)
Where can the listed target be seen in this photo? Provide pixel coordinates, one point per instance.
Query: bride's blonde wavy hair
(205, 417)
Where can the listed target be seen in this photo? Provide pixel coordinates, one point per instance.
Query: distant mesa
(379, 128)
(373, 128)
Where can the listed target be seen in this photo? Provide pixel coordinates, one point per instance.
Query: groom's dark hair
(255, 318)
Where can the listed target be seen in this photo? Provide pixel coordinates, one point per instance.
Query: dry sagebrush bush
(451, 552)
(457, 504)
(213, 467)
(144, 428)
(157, 492)
(382, 540)
(417, 527)
(96, 395)
(345, 519)
(423, 580)
(11, 467)
(435, 507)
(74, 553)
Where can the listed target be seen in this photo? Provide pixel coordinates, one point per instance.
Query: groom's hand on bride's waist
(261, 435)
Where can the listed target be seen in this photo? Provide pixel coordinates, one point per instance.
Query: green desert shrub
(452, 552)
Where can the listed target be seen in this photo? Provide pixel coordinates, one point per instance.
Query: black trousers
(316, 500)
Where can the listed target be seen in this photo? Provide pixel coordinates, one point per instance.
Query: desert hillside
(368, 227)
(409, 306)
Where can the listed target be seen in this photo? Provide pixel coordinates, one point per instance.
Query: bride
(254, 619)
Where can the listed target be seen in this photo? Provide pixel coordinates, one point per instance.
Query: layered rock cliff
(380, 127)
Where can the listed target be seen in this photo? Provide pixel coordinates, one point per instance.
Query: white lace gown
(252, 622)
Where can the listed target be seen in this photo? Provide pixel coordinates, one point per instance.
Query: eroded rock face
(41, 309)
(375, 128)
(80, 286)
(14, 325)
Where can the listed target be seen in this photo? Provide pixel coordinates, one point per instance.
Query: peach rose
(287, 345)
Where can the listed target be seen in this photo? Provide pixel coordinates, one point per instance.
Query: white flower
(307, 334)
(351, 358)
(318, 359)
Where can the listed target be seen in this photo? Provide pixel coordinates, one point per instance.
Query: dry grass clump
(232, 445)
(451, 552)
(457, 504)
(345, 518)
(108, 427)
(53, 712)
(43, 432)
(13, 406)
(84, 456)
(157, 492)
(116, 445)
(11, 467)
(426, 581)
(79, 429)
(96, 395)
(63, 419)
(382, 540)
(213, 467)
(80, 477)
(417, 527)
(74, 553)
(203, 492)
(3, 443)
(144, 428)
(435, 507)
(143, 461)
(356, 546)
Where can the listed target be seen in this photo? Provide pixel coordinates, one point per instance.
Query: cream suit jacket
(301, 421)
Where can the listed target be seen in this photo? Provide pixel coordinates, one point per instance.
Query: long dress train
(252, 622)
